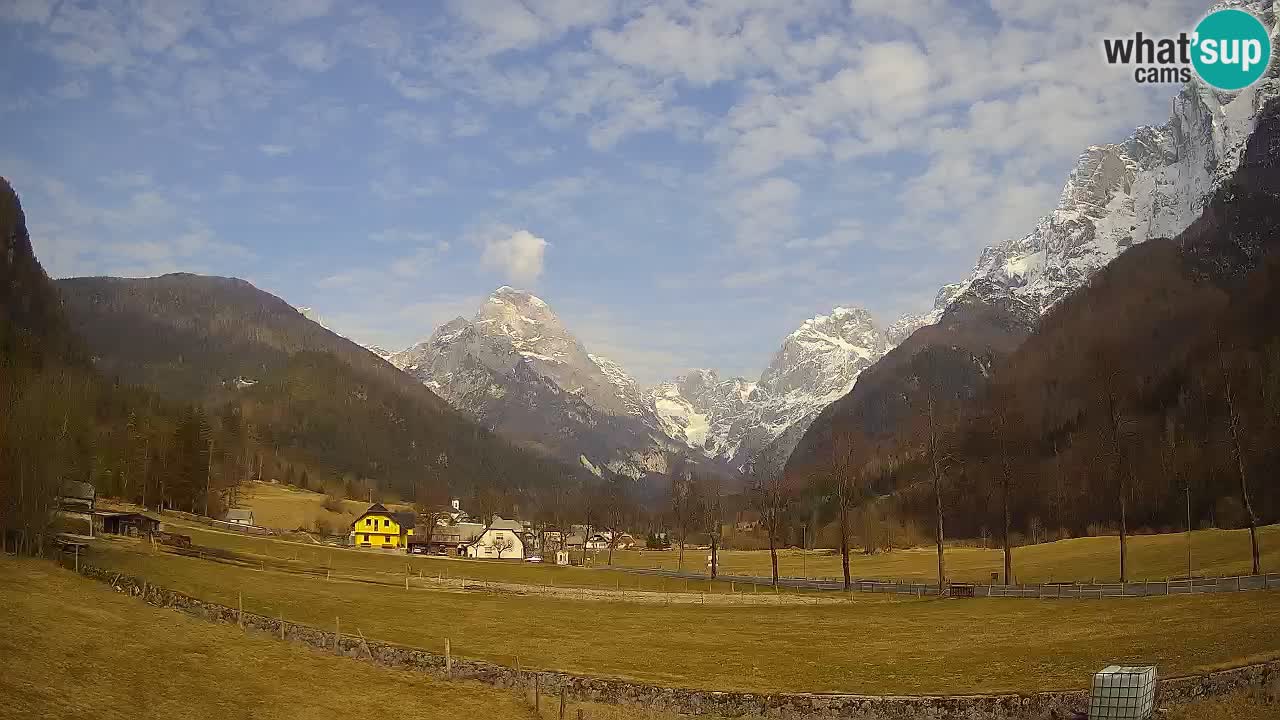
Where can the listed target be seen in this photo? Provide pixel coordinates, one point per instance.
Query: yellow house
(378, 527)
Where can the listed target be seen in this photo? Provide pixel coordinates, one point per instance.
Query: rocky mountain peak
(734, 418)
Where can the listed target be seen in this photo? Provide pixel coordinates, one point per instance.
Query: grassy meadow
(1213, 552)
(869, 644)
(71, 648)
(283, 507)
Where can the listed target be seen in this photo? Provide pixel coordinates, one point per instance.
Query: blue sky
(684, 182)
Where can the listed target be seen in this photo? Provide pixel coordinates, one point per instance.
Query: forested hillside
(1156, 385)
(297, 397)
(47, 393)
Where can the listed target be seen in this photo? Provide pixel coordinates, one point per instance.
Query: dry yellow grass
(71, 648)
(872, 644)
(288, 508)
(1214, 552)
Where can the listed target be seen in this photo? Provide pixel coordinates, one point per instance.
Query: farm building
(501, 539)
(379, 527)
(239, 516)
(447, 539)
(124, 523)
(78, 497)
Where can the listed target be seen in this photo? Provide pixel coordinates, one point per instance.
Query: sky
(683, 182)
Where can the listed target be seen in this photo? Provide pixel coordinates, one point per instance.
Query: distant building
(125, 523)
(239, 516)
(77, 497)
(379, 527)
(447, 539)
(501, 539)
(602, 541)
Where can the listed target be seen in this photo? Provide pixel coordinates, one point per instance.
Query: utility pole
(1187, 488)
(208, 472)
(804, 549)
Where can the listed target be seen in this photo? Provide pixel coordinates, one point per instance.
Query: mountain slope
(517, 369)
(1154, 184)
(312, 395)
(1158, 381)
(33, 326)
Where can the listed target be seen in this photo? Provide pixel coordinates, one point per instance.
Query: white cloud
(763, 212)
(519, 256)
(309, 54)
(275, 150)
(29, 11)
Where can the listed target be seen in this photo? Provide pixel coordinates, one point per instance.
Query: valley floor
(1153, 557)
(72, 648)
(870, 644)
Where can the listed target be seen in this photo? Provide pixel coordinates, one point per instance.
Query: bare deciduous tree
(771, 496)
(501, 544)
(1235, 432)
(847, 459)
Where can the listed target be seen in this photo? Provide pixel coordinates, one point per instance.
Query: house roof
(405, 519)
(239, 514)
(500, 524)
(78, 490)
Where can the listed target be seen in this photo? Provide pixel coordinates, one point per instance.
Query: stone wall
(1034, 706)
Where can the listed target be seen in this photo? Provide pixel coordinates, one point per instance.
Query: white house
(602, 540)
(501, 539)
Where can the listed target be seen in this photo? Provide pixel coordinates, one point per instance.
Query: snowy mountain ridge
(733, 419)
(516, 364)
(1153, 184)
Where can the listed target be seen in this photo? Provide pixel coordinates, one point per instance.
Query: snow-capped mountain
(733, 419)
(1154, 184)
(518, 369)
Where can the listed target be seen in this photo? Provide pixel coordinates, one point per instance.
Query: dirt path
(765, 596)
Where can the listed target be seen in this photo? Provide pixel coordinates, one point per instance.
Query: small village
(448, 531)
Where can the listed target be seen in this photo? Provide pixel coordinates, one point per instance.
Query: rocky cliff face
(1154, 184)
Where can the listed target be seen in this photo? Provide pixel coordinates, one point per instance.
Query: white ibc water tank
(1123, 692)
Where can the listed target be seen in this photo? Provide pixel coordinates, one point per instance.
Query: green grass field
(1214, 552)
(71, 648)
(871, 644)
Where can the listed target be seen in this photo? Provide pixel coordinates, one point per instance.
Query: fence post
(564, 686)
(240, 609)
(448, 659)
(537, 693)
(281, 624)
(337, 635)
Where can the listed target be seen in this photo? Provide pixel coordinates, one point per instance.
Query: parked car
(533, 558)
